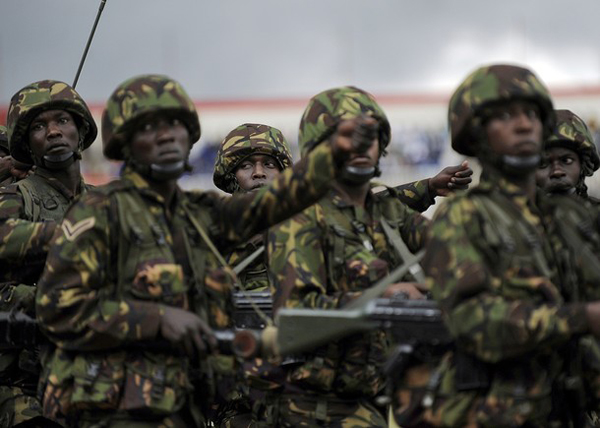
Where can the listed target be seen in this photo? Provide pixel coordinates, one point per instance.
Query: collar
(133, 179)
(58, 186)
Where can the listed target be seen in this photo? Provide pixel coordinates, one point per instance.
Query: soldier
(250, 157)
(327, 255)
(512, 271)
(10, 170)
(49, 125)
(135, 281)
(570, 155)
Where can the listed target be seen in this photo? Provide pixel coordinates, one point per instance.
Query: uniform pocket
(156, 385)
(98, 381)
(160, 281)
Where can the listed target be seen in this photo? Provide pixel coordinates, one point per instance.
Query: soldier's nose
(556, 171)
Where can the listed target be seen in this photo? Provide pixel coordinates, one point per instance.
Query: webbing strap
(226, 266)
(31, 209)
(396, 240)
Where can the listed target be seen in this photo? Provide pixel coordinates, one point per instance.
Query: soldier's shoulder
(10, 190)
(11, 201)
(205, 197)
(95, 196)
(460, 205)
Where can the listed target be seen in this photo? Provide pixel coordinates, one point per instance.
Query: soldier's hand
(412, 290)
(20, 170)
(451, 178)
(187, 330)
(592, 313)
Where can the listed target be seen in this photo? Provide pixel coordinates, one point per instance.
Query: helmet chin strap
(514, 166)
(163, 171)
(519, 165)
(357, 175)
(59, 161)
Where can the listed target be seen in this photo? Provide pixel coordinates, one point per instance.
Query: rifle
(245, 315)
(408, 321)
(18, 330)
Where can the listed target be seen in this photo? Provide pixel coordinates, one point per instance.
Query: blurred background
(261, 61)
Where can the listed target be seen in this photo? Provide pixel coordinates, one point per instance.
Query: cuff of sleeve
(429, 197)
(574, 314)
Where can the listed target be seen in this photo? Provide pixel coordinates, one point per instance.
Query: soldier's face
(366, 159)
(53, 132)
(514, 128)
(256, 171)
(559, 171)
(160, 139)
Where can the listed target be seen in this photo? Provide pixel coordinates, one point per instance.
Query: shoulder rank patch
(72, 231)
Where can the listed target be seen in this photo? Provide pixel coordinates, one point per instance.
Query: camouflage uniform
(322, 258)
(509, 274)
(119, 259)
(242, 142)
(5, 175)
(572, 133)
(29, 211)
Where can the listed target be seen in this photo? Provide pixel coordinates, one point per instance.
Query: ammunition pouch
(156, 385)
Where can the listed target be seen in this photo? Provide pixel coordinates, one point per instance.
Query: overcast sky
(232, 49)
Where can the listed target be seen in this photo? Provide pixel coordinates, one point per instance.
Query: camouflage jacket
(327, 255)
(29, 212)
(254, 277)
(510, 287)
(119, 257)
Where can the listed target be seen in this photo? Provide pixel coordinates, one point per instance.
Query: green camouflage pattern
(18, 406)
(4, 139)
(28, 217)
(29, 211)
(328, 108)
(311, 412)
(244, 141)
(137, 97)
(40, 96)
(516, 317)
(324, 257)
(572, 132)
(414, 194)
(93, 306)
(484, 87)
(6, 165)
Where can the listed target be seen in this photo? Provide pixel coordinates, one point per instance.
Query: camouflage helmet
(244, 141)
(328, 108)
(38, 97)
(4, 139)
(489, 85)
(137, 97)
(572, 132)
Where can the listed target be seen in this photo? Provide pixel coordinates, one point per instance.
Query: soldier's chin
(560, 188)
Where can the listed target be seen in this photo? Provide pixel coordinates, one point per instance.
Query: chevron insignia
(72, 231)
